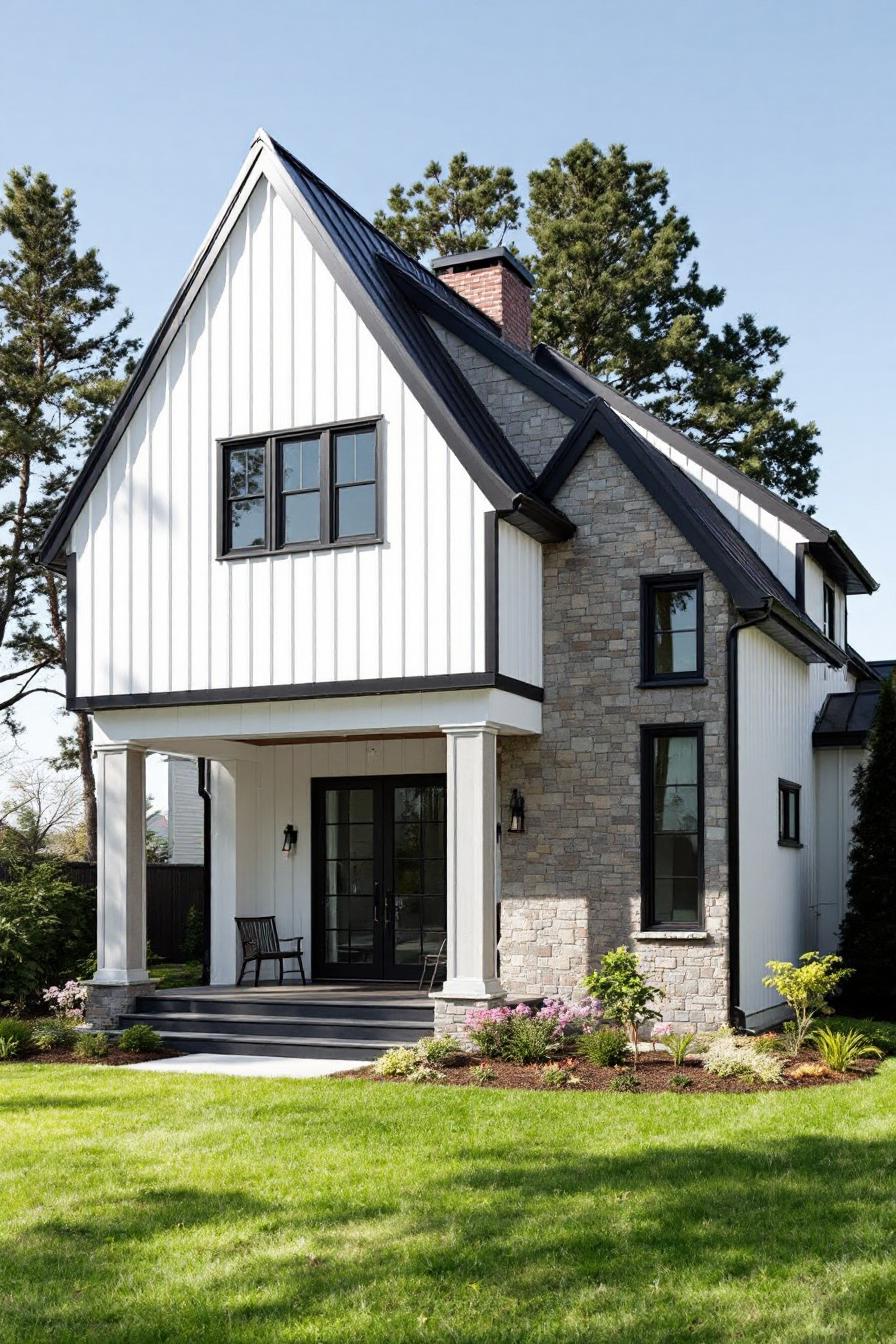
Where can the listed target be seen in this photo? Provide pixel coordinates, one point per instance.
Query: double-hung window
(672, 826)
(302, 489)
(671, 629)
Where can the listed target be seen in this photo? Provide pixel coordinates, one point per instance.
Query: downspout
(205, 795)
(735, 1013)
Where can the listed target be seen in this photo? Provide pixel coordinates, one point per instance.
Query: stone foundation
(693, 970)
(106, 1003)
(451, 1014)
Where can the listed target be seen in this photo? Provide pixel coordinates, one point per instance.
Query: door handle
(376, 902)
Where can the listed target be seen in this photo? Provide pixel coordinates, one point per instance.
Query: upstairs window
(830, 612)
(671, 629)
(788, 813)
(301, 490)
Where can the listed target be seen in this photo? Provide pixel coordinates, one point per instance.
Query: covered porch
(368, 826)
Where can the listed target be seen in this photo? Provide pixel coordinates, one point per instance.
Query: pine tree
(62, 357)
(868, 931)
(473, 206)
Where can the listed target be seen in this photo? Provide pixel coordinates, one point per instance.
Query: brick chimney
(498, 284)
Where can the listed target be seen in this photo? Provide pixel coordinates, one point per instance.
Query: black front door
(378, 892)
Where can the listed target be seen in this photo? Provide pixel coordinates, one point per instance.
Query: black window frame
(651, 584)
(829, 611)
(272, 442)
(649, 734)
(787, 788)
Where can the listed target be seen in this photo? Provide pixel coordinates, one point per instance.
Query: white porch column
(472, 838)
(121, 866)
(234, 791)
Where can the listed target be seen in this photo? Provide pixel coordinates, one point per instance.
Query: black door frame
(382, 967)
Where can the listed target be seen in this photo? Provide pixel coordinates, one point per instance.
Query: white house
(502, 648)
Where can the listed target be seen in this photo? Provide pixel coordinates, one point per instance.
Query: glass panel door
(379, 893)
(416, 907)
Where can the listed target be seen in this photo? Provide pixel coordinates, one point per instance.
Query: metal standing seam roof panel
(361, 245)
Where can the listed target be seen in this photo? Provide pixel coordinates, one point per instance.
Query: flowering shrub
(67, 1002)
(676, 1043)
(524, 1035)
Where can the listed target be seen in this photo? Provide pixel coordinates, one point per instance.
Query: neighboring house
(185, 812)
(470, 621)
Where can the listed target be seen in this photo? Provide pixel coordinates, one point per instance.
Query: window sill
(790, 844)
(671, 936)
(664, 683)
(263, 553)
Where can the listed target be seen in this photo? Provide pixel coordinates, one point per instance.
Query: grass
(139, 1207)
(176, 975)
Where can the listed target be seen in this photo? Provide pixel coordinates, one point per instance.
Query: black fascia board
(539, 519)
(499, 351)
(549, 358)
(842, 564)
(104, 445)
(809, 634)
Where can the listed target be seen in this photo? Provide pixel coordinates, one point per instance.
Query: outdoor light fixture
(517, 813)
(290, 836)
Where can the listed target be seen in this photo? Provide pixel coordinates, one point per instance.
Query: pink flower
(662, 1029)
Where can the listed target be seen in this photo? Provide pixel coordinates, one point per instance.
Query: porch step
(313, 1047)
(298, 1024)
(391, 1031)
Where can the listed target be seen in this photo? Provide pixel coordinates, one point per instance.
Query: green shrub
(842, 1050)
(531, 1040)
(729, 1056)
(396, 1063)
(480, 1074)
(681, 1082)
(605, 1047)
(92, 1045)
(438, 1049)
(881, 1034)
(557, 1076)
(55, 1034)
(15, 1037)
(624, 992)
(627, 1081)
(192, 944)
(140, 1037)
(806, 988)
(47, 927)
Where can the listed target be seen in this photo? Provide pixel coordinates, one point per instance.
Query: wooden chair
(260, 941)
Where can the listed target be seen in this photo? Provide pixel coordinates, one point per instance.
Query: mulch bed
(654, 1074)
(115, 1056)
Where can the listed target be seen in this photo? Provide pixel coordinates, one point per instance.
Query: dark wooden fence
(172, 889)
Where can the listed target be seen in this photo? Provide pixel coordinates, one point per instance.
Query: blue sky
(775, 121)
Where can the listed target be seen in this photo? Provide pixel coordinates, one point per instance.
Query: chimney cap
(471, 261)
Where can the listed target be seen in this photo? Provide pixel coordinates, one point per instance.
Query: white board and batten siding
(274, 791)
(835, 769)
(779, 697)
(774, 540)
(186, 814)
(271, 342)
(519, 605)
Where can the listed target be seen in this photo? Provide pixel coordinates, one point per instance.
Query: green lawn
(138, 1207)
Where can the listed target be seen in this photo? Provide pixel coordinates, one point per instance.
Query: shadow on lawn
(539, 1234)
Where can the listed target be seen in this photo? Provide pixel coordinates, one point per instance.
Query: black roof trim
(788, 513)
(540, 520)
(156, 349)
(860, 667)
(471, 261)
(513, 361)
(746, 577)
(842, 564)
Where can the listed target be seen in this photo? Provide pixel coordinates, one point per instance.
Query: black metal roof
(845, 719)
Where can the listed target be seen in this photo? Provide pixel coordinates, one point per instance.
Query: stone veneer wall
(571, 884)
(534, 427)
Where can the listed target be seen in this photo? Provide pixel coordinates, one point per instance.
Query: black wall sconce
(517, 813)
(290, 839)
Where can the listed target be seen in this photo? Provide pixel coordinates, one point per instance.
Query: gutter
(736, 1015)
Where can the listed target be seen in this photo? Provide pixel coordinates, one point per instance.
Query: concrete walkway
(249, 1066)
